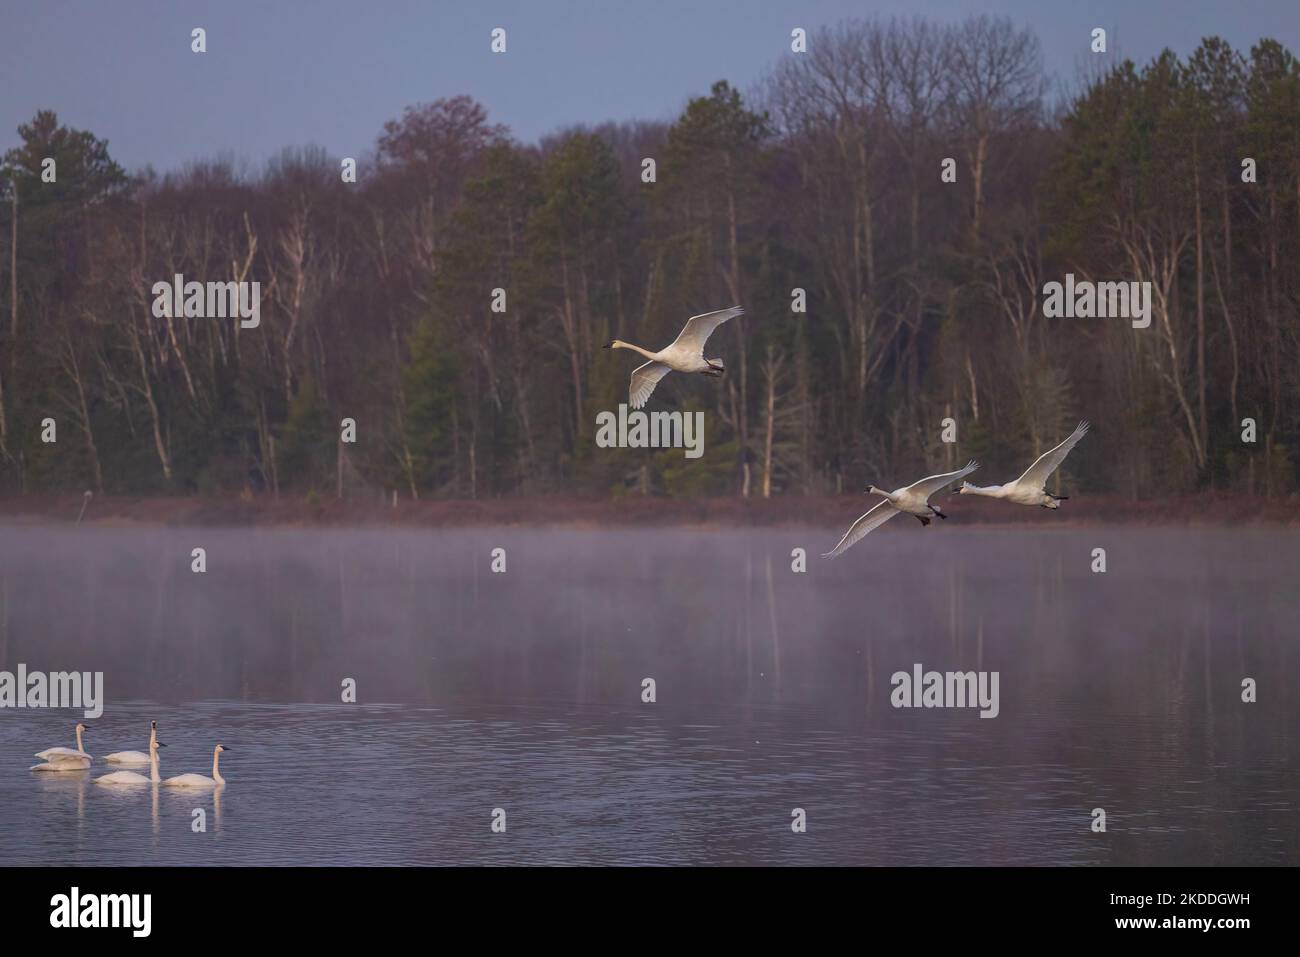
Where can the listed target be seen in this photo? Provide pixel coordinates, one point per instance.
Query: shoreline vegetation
(900, 211)
(1207, 508)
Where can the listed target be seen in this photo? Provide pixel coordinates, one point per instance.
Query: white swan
(131, 777)
(65, 759)
(199, 780)
(1030, 488)
(684, 354)
(135, 757)
(913, 499)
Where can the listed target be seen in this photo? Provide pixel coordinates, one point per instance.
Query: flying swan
(199, 780)
(684, 354)
(914, 500)
(135, 757)
(131, 777)
(1030, 488)
(65, 759)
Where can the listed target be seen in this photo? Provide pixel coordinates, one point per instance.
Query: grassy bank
(1206, 508)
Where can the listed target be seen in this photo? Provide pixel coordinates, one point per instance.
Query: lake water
(523, 691)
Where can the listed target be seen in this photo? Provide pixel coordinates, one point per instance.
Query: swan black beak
(161, 745)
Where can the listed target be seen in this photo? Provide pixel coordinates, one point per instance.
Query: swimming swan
(198, 780)
(1030, 488)
(913, 499)
(65, 759)
(135, 757)
(683, 354)
(131, 777)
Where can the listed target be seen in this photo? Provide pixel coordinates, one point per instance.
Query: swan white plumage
(65, 759)
(131, 777)
(683, 354)
(200, 780)
(135, 757)
(67, 764)
(912, 499)
(1031, 488)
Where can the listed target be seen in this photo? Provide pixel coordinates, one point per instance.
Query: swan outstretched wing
(122, 777)
(928, 486)
(127, 757)
(698, 329)
(1036, 475)
(190, 781)
(644, 380)
(60, 755)
(66, 765)
(873, 519)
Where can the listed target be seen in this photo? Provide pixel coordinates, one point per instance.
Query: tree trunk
(13, 313)
(146, 389)
(4, 428)
(979, 160)
(1200, 303)
(734, 275)
(771, 424)
(13, 270)
(569, 322)
(84, 408)
(1232, 341)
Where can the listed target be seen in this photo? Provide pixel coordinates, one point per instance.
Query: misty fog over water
(523, 691)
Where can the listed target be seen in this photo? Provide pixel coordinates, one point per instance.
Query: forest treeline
(923, 297)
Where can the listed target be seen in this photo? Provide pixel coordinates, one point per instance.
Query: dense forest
(923, 297)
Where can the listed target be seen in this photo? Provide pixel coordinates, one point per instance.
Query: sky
(328, 73)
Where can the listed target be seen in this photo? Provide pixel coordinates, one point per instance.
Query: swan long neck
(79, 747)
(881, 492)
(993, 491)
(620, 344)
(153, 764)
(216, 775)
(153, 737)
